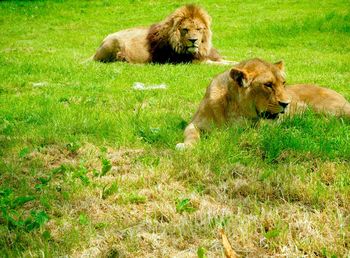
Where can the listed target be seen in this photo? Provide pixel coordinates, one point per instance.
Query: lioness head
(189, 30)
(261, 87)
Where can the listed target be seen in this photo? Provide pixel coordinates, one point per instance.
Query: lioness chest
(229, 103)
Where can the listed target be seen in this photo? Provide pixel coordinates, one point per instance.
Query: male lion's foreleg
(192, 135)
(221, 62)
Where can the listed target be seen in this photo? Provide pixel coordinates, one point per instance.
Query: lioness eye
(268, 84)
(184, 30)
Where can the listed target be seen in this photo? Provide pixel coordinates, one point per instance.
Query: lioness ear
(280, 65)
(239, 76)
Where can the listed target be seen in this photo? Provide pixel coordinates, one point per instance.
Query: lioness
(256, 89)
(184, 36)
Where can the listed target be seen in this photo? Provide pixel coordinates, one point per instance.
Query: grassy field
(88, 165)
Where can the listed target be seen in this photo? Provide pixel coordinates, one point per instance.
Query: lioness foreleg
(191, 134)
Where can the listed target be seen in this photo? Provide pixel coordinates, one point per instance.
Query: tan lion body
(122, 46)
(184, 36)
(255, 89)
(320, 99)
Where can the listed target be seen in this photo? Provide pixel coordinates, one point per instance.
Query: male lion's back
(128, 45)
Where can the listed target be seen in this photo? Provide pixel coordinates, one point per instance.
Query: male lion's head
(261, 87)
(188, 30)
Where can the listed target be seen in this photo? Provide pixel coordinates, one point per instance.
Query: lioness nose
(193, 40)
(283, 104)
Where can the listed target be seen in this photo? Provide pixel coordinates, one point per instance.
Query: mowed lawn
(88, 166)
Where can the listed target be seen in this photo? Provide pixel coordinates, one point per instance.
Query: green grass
(88, 164)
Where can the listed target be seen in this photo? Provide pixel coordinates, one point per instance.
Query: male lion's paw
(228, 62)
(222, 62)
(181, 146)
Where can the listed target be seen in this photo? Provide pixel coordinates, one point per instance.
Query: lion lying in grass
(184, 36)
(256, 89)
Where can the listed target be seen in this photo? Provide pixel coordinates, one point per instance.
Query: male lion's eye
(268, 84)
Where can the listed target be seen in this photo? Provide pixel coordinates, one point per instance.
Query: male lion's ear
(280, 65)
(239, 76)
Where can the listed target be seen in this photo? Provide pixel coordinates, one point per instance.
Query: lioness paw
(181, 146)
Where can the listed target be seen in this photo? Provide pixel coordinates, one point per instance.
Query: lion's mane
(164, 38)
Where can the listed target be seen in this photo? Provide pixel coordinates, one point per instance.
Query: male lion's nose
(192, 40)
(283, 104)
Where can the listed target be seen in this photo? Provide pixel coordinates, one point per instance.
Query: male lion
(184, 36)
(256, 89)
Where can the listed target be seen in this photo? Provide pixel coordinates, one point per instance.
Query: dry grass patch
(142, 206)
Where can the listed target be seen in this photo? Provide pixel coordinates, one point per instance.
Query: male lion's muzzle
(192, 45)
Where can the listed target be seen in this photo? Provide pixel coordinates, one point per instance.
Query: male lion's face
(262, 84)
(191, 35)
